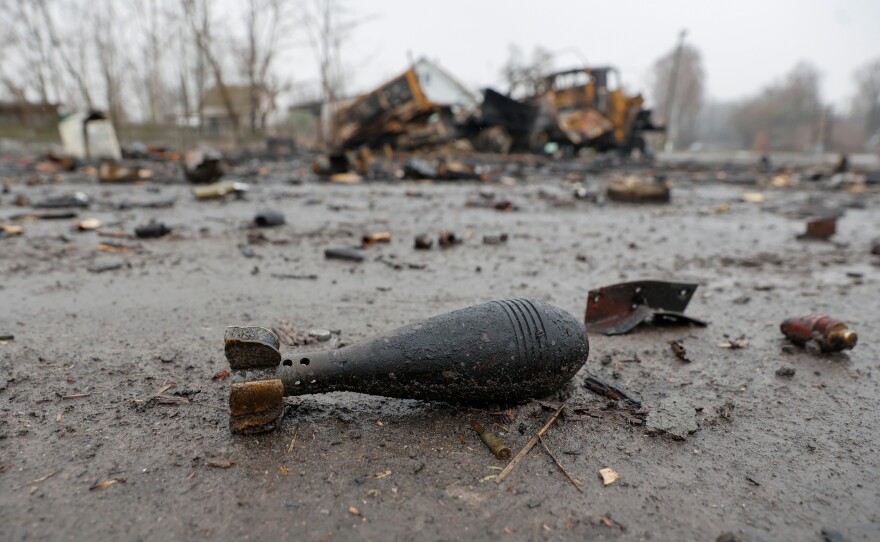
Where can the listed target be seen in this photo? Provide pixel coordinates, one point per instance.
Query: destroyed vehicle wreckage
(425, 106)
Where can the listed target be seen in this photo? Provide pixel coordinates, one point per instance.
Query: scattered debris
(728, 537)
(164, 203)
(269, 218)
(294, 276)
(106, 483)
(371, 239)
(55, 163)
(495, 239)
(447, 239)
(753, 197)
(10, 230)
(830, 535)
(673, 417)
(110, 246)
(220, 463)
(203, 166)
(351, 254)
(679, 350)
(875, 247)
(735, 344)
(423, 241)
(48, 215)
(821, 228)
(609, 390)
(103, 268)
(77, 200)
(828, 334)
(633, 189)
(88, 224)
(345, 178)
(620, 308)
(785, 372)
(220, 190)
(221, 375)
(498, 448)
(151, 230)
(609, 476)
(112, 172)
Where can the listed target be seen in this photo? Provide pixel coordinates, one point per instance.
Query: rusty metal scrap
(820, 228)
(619, 308)
(397, 113)
(203, 165)
(576, 108)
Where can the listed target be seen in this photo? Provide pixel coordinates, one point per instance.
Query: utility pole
(670, 96)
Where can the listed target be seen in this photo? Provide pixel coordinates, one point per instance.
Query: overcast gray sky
(745, 44)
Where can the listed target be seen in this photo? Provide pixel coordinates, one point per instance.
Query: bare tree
(27, 58)
(328, 27)
(266, 22)
(109, 50)
(75, 66)
(199, 16)
(866, 105)
(787, 114)
(688, 89)
(521, 75)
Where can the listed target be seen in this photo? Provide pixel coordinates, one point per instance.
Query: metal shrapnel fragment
(619, 308)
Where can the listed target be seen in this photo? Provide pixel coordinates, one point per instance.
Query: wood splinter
(528, 447)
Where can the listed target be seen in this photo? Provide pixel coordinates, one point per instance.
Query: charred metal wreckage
(425, 106)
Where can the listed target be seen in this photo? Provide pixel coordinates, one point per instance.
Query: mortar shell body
(497, 352)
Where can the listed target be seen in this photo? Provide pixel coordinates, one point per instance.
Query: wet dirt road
(774, 458)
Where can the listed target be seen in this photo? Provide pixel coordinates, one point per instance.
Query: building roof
(240, 94)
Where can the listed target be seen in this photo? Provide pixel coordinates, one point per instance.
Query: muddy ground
(774, 458)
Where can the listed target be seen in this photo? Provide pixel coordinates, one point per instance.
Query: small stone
(322, 335)
(151, 230)
(785, 372)
(830, 535)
